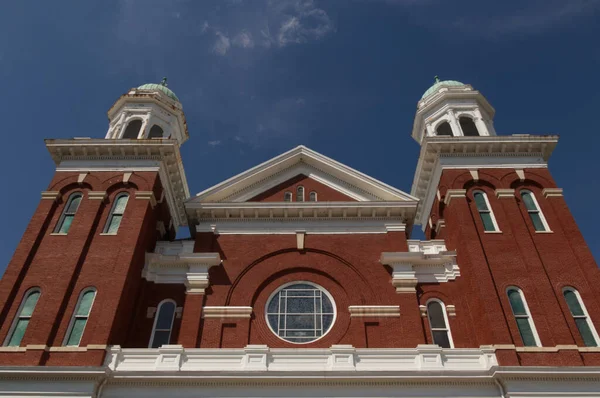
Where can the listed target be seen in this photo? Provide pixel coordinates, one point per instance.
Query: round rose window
(300, 312)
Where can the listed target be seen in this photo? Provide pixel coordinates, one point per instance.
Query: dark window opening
(468, 127)
(444, 129)
(133, 129)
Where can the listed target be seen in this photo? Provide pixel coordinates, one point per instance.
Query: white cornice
(439, 153)
(265, 175)
(128, 155)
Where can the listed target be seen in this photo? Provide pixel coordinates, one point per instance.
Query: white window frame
(446, 320)
(298, 189)
(18, 316)
(585, 312)
(156, 314)
(491, 212)
(539, 211)
(529, 317)
(322, 289)
(310, 196)
(75, 316)
(112, 212)
(286, 194)
(64, 214)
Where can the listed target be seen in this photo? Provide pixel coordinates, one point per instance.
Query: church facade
(300, 278)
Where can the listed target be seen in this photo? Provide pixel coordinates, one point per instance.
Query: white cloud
(205, 26)
(303, 21)
(244, 40)
(222, 44)
(214, 143)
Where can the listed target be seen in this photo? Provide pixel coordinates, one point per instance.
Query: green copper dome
(441, 83)
(160, 87)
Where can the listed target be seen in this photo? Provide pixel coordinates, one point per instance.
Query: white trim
(300, 193)
(24, 298)
(226, 312)
(374, 311)
(441, 303)
(156, 315)
(489, 209)
(529, 317)
(74, 315)
(51, 195)
(317, 286)
(454, 193)
(585, 313)
(505, 193)
(552, 192)
(539, 210)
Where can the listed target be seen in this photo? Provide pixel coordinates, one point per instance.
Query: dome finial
(164, 82)
(437, 79)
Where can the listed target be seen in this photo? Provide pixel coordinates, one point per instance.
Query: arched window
(485, 212)
(444, 129)
(66, 218)
(80, 317)
(116, 214)
(163, 323)
(19, 326)
(133, 129)
(287, 197)
(312, 196)
(300, 194)
(438, 322)
(156, 132)
(521, 313)
(537, 218)
(580, 315)
(468, 127)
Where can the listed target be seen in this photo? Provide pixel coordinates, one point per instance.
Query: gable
(324, 193)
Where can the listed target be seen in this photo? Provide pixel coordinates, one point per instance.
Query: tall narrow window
(468, 127)
(66, 218)
(485, 212)
(444, 129)
(116, 214)
(582, 319)
(300, 194)
(19, 326)
(537, 218)
(287, 197)
(133, 129)
(523, 317)
(163, 323)
(80, 317)
(312, 196)
(438, 322)
(156, 132)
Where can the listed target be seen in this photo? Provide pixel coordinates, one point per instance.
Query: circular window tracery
(300, 312)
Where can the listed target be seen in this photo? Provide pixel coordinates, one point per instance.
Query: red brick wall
(324, 193)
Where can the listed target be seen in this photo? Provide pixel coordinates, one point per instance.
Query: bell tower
(493, 200)
(109, 202)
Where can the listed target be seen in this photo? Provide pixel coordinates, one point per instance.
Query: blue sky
(258, 77)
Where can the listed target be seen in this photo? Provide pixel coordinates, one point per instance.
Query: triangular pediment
(255, 183)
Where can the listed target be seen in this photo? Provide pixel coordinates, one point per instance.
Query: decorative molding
(300, 235)
(81, 177)
(552, 192)
(50, 195)
(520, 174)
(474, 174)
(146, 195)
(226, 312)
(454, 193)
(505, 193)
(423, 311)
(451, 310)
(374, 311)
(425, 262)
(97, 195)
(126, 177)
(441, 223)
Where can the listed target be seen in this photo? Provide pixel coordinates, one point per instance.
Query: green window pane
(480, 201)
(165, 316)
(114, 223)
(537, 221)
(66, 224)
(121, 203)
(440, 337)
(436, 315)
(29, 305)
(76, 332)
(585, 332)
(526, 332)
(528, 200)
(516, 303)
(86, 303)
(74, 204)
(488, 224)
(573, 303)
(18, 333)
